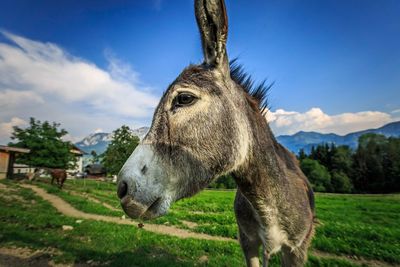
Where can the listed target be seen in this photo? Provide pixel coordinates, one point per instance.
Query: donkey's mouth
(136, 210)
(153, 211)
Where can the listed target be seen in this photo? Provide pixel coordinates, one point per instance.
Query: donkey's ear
(213, 25)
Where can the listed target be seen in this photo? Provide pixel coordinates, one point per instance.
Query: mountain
(96, 141)
(306, 140)
(140, 132)
(99, 141)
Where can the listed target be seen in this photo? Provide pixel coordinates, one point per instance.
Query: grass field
(353, 230)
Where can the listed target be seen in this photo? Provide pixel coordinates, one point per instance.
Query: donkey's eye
(184, 99)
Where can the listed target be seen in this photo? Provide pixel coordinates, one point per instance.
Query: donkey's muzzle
(133, 208)
(129, 204)
(142, 184)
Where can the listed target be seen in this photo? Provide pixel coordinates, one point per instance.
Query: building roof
(19, 165)
(76, 150)
(95, 168)
(14, 149)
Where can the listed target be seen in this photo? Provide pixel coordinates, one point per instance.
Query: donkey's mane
(258, 91)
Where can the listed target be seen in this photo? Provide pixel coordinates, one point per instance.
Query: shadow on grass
(33, 261)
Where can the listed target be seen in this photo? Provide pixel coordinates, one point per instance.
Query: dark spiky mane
(258, 91)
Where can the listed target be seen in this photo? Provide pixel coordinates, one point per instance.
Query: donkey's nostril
(122, 189)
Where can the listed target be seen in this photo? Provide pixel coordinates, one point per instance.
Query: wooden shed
(7, 159)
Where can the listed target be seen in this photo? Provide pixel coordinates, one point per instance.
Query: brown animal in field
(210, 122)
(58, 174)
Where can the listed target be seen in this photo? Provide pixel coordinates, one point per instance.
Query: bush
(223, 182)
(317, 174)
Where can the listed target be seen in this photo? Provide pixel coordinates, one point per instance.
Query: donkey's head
(200, 128)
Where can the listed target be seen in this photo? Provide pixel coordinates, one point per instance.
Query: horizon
(98, 66)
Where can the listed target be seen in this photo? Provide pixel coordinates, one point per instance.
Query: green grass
(350, 225)
(366, 226)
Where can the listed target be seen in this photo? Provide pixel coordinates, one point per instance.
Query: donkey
(210, 122)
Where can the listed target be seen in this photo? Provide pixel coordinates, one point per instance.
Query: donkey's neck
(263, 174)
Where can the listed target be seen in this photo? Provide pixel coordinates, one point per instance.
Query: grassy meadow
(353, 230)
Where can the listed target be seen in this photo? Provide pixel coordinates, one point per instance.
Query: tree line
(374, 167)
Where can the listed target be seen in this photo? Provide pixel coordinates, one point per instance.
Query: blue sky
(335, 64)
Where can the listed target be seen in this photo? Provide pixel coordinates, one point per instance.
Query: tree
(341, 182)
(95, 157)
(323, 153)
(341, 162)
(341, 159)
(317, 174)
(47, 149)
(392, 165)
(369, 171)
(119, 150)
(302, 154)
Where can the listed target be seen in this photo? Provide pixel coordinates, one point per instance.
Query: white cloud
(6, 128)
(48, 70)
(42, 80)
(290, 122)
(11, 98)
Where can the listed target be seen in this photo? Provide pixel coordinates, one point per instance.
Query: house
(79, 159)
(7, 159)
(23, 169)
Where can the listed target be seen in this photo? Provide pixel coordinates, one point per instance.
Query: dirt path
(66, 209)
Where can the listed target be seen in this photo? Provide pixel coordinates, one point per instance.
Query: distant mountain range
(301, 140)
(306, 140)
(99, 141)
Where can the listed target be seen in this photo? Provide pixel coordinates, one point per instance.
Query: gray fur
(223, 131)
